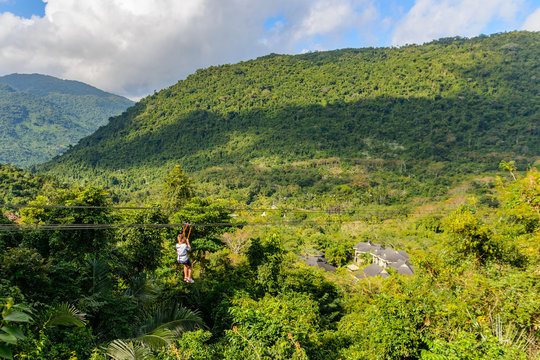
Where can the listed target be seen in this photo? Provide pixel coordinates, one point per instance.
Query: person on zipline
(181, 249)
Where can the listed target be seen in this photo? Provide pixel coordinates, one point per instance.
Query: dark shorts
(187, 262)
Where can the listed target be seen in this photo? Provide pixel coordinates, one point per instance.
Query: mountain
(40, 115)
(464, 102)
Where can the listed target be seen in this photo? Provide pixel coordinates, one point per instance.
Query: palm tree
(509, 166)
(121, 350)
(65, 314)
(171, 317)
(159, 330)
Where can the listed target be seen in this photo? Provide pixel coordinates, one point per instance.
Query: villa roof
(403, 267)
(373, 270)
(405, 270)
(327, 267)
(398, 259)
(319, 261)
(390, 255)
(403, 254)
(366, 246)
(378, 252)
(314, 260)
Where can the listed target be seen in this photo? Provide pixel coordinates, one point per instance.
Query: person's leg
(186, 272)
(190, 270)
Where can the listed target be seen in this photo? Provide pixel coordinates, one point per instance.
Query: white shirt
(181, 250)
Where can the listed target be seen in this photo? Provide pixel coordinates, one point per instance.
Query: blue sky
(23, 8)
(137, 46)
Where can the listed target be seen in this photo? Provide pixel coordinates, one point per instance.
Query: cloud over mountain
(132, 47)
(432, 19)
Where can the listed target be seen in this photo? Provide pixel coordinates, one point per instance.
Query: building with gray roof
(382, 258)
(318, 260)
(372, 271)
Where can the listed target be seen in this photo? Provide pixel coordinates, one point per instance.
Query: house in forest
(317, 259)
(373, 270)
(381, 259)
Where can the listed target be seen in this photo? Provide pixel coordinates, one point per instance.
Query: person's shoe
(190, 281)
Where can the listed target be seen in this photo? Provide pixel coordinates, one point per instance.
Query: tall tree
(144, 245)
(177, 189)
(84, 206)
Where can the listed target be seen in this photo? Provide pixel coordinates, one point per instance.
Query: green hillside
(464, 102)
(40, 116)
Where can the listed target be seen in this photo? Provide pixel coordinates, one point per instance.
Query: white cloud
(433, 19)
(532, 23)
(325, 17)
(321, 24)
(132, 47)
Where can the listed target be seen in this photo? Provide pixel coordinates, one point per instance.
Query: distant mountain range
(457, 101)
(41, 116)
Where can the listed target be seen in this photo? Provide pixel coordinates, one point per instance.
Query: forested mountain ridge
(40, 115)
(453, 100)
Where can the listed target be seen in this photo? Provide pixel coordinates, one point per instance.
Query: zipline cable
(39, 227)
(54, 227)
(290, 210)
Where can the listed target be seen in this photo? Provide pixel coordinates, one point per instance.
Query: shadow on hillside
(445, 129)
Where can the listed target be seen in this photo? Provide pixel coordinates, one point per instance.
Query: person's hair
(181, 238)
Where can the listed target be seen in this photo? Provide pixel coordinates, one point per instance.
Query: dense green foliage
(10, 333)
(41, 116)
(465, 103)
(118, 293)
(18, 186)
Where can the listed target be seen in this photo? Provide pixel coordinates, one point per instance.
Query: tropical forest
(371, 203)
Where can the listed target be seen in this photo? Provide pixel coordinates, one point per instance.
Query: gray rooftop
(398, 259)
(373, 270)
(327, 267)
(403, 267)
(390, 255)
(319, 261)
(367, 246)
(403, 254)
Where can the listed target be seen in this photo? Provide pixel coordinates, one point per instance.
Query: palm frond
(142, 288)
(101, 281)
(173, 317)
(66, 315)
(121, 350)
(160, 329)
(157, 339)
(183, 319)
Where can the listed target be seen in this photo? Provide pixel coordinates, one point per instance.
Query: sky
(134, 47)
